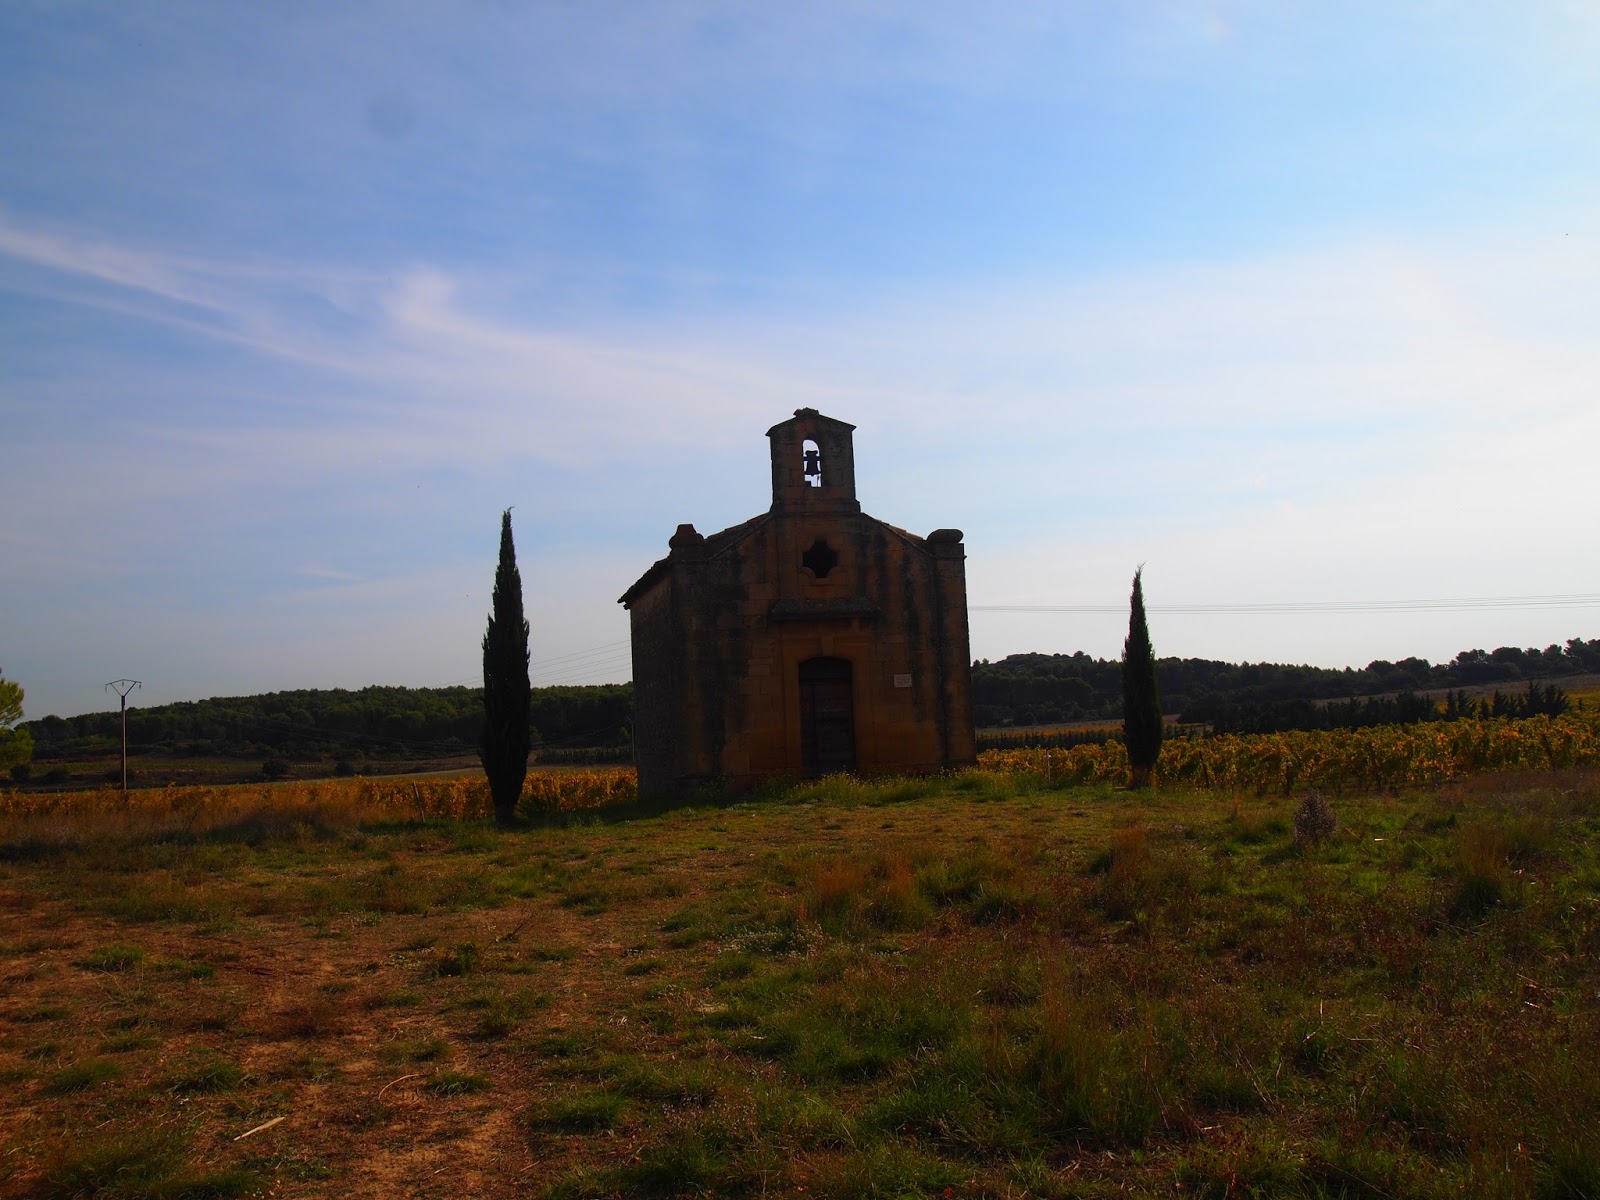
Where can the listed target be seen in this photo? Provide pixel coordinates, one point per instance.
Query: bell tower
(813, 464)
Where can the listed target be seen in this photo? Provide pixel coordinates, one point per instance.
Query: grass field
(975, 985)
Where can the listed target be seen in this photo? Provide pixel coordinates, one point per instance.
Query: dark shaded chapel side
(810, 639)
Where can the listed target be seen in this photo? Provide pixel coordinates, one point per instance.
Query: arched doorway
(827, 717)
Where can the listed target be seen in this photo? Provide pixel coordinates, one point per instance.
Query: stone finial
(685, 537)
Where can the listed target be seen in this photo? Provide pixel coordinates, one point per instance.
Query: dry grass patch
(938, 987)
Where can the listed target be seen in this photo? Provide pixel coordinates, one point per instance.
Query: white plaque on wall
(902, 681)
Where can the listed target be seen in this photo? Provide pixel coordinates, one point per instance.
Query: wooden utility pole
(123, 687)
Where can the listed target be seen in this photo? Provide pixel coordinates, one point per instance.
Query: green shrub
(462, 960)
(1571, 1170)
(116, 957)
(206, 1073)
(890, 1171)
(146, 1162)
(415, 1050)
(84, 1073)
(583, 1113)
(499, 1015)
(698, 1161)
(1480, 871)
(1125, 870)
(1089, 1074)
(457, 1083)
(686, 1085)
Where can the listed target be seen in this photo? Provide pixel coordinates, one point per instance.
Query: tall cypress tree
(506, 694)
(1141, 702)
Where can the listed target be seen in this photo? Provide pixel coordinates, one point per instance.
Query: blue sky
(1288, 302)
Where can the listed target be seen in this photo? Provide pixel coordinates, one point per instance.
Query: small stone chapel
(808, 640)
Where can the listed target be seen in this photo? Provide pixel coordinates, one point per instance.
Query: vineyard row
(1339, 761)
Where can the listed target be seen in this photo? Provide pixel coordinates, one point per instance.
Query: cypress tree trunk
(1141, 702)
(506, 694)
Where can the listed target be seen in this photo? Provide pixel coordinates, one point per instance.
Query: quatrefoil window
(820, 559)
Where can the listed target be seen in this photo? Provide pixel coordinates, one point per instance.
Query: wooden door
(827, 717)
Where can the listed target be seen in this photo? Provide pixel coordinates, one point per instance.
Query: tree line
(1403, 708)
(1043, 689)
(1020, 690)
(370, 723)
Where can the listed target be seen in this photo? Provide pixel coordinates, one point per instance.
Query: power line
(579, 671)
(610, 653)
(608, 648)
(1458, 603)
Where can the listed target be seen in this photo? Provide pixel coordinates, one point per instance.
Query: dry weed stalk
(1314, 819)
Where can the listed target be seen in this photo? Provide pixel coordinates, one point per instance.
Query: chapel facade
(808, 640)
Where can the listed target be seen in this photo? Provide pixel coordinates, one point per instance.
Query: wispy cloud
(327, 573)
(1335, 345)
